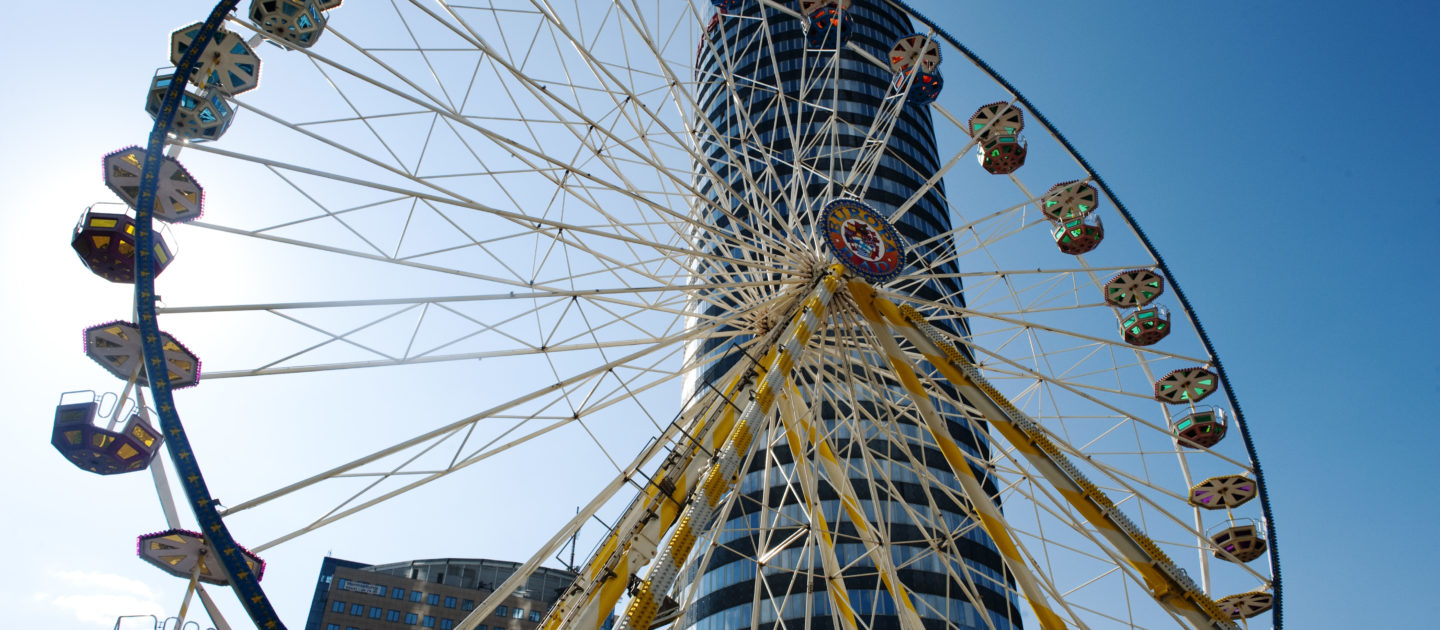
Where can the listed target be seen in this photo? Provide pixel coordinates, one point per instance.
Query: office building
(427, 594)
(780, 103)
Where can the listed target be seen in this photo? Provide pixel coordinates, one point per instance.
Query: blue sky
(1281, 158)
(1248, 139)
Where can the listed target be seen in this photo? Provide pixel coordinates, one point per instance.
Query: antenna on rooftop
(574, 539)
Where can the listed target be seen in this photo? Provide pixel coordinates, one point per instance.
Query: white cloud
(104, 581)
(100, 598)
(103, 609)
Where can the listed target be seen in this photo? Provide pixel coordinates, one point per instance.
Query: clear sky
(1281, 156)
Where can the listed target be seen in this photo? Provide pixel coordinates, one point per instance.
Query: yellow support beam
(634, 541)
(723, 471)
(991, 520)
(792, 409)
(876, 547)
(1168, 584)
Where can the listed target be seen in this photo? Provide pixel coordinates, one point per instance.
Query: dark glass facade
(787, 100)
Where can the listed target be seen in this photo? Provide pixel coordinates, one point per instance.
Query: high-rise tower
(784, 124)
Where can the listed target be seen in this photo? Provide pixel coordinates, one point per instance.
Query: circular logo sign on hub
(863, 240)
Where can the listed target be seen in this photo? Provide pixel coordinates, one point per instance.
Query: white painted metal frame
(594, 253)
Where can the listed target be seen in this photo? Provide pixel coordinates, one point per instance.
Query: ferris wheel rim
(246, 583)
(1144, 239)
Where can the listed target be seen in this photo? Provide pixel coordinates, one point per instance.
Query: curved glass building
(774, 151)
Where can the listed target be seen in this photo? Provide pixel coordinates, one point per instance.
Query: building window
(416, 596)
(375, 612)
(412, 618)
(429, 621)
(468, 604)
(351, 628)
(337, 606)
(449, 602)
(392, 615)
(341, 583)
(534, 615)
(332, 626)
(447, 624)
(397, 592)
(433, 599)
(519, 613)
(501, 611)
(357, 609)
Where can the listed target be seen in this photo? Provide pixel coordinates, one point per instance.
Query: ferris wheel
(817, 313)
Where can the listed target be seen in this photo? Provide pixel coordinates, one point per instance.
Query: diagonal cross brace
(1167, 582)
(723, 471)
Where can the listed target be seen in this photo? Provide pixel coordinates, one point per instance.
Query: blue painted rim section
(1149, 247)
(187, 468)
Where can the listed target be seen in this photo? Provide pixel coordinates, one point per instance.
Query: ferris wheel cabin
(1242, 541)
(917, 55)
(996, 128)
(183, 553)
(178, 197)
(298, 23)
(1134, 288)
(102, 450)
(105, 242)
(1203, 427)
